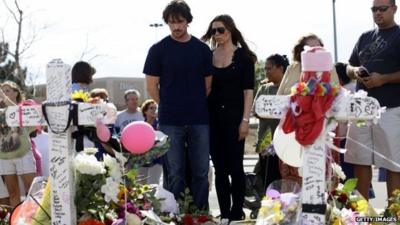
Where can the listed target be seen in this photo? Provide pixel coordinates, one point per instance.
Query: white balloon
(287, 148)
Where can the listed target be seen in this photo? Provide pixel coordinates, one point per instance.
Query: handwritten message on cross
(345, 107)
(58, 109)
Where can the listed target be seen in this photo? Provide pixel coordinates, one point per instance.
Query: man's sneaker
(224, 221)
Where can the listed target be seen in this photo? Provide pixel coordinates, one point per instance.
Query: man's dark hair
(82, 72)
(393, 2)
(176, 9)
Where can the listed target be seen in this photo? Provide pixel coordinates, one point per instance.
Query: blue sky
(119, 30)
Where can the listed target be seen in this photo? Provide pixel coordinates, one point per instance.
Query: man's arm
(208, 80)
(153, 87)
(377, 80)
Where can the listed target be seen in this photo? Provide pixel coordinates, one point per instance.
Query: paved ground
(250, 160)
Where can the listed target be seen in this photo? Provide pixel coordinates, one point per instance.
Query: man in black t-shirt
(178, 75)
(375, 63)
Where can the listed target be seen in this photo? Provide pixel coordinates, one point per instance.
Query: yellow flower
(145, 188)
(277, 207)
(337, 221)
(263, 211)
(362, 206)
(80, 96)
(278, 217)
(396, 192)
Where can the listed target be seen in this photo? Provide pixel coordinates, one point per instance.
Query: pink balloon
(102, 131)
(138, 137)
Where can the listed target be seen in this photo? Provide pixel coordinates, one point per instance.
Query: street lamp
(334, 30)
(155, 25)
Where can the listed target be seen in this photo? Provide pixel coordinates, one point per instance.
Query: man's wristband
(245, 120)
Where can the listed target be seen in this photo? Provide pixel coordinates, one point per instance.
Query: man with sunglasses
(178, 75)
(375, 63)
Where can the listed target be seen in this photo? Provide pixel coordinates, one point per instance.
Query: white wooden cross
(346, 107)
(61, 148)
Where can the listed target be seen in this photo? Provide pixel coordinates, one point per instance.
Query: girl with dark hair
(230, 104)
(82, 75)
(268, 165)
(290, 78)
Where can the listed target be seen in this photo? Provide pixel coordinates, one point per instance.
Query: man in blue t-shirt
(375, 63)
(178, 74)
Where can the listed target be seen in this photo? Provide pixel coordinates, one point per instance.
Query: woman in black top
(230, 104)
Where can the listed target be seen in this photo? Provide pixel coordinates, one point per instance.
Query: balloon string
(374, 152)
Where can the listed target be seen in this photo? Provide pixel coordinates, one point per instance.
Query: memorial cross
(346, 107)
(61, 149)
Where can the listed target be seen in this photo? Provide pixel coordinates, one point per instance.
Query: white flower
(114, 169)
(340, 187)
(336, 212)
(338, 172)
(110, 162)
(88, 164)
(110, 190)
(90, 151)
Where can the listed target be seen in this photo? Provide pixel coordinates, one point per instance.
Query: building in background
(116, 86)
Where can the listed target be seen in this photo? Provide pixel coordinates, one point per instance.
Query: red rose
(188, 219)
(203, 219)
(342, 198)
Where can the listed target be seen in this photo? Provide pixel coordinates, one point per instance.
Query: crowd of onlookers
(202, 99)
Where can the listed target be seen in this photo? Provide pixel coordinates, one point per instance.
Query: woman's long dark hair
(237, 38)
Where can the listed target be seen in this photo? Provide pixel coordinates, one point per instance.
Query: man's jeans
(194, 138)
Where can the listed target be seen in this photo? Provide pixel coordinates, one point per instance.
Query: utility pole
(334, 31)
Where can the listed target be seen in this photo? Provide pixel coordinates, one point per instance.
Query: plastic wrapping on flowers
(281, 204)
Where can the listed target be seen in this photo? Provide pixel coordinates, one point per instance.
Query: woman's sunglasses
(220, 30)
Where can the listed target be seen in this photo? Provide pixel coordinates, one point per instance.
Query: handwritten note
(314, 181)
(88, 113)
(356, 108)
(31, 116)
(57, 117)
(62, 178)
(271, 106)
(59, 81)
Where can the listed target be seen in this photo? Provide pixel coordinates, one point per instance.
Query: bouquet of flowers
(345, 203)
(280, 204)
(106, 195)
